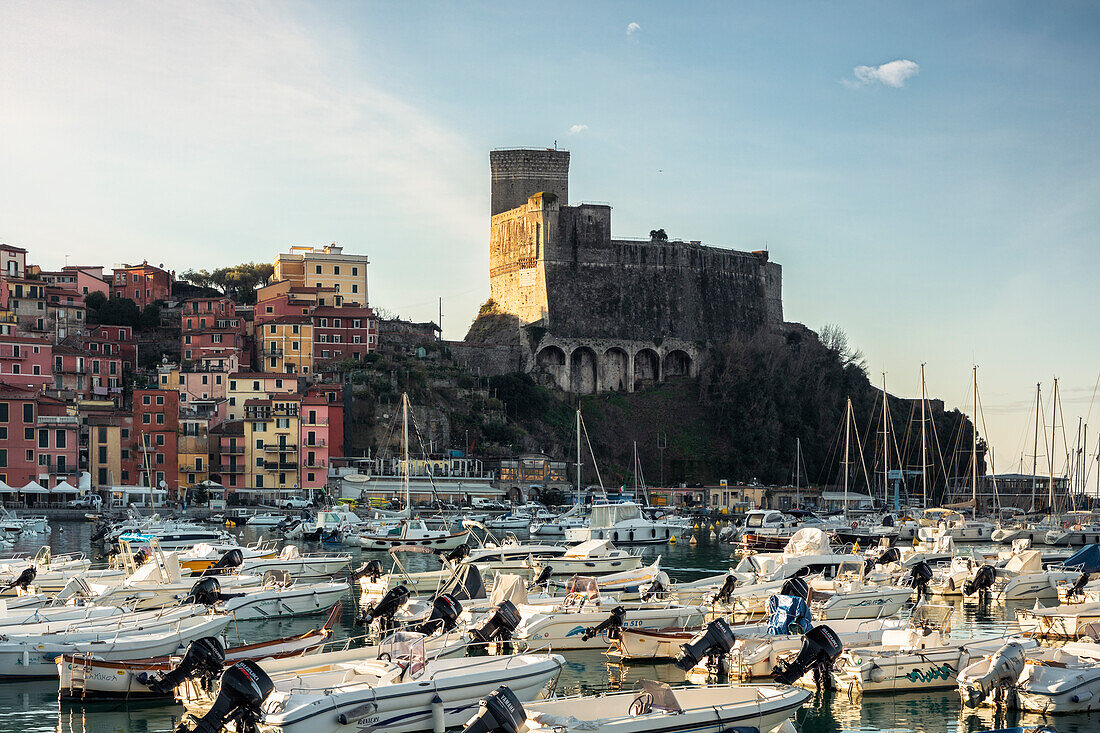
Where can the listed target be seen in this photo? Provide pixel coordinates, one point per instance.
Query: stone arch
(551, 359)
(582, 371)
(647, 368)
(615, 370)
(677, 363)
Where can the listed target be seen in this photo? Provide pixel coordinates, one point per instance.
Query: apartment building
(211, 328)
(286, 345)
(156, 421)
(245, 386)
(272, 431)
(26, 361)
(325, 267)
(144, 284)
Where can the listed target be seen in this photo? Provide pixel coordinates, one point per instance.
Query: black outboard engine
(500, 712)
(207, 592)
(243, 690)
(1078, 586)
(24, 580)
(458, 554)
(232, 559)
(385, 609)
(611, 625)
(981, 582)
(796, 587)
(371, 569)
(713, 644)
(656, 589)
(203, 661)
(544, 576)
(890, 555)
(820, 648)
(919, 575)
(445, 612)
(726, 591)
(100, 531)
(501, 624)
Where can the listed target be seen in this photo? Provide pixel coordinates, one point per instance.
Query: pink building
(81, 374)
(115, 341)
(26, 361)
(57, 444)
(144, 284)
(350, 332)
(322, 437)
(210, 327)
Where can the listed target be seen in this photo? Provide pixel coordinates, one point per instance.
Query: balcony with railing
(280, 448)
(314, 463)
(58, 421)
(281, 465)
(315, 443)
(231, 468)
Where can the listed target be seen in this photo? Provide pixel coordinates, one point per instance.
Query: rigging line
(988, 451)
(1092, 400)
(835, 446)
(593, 454)
(862, 463)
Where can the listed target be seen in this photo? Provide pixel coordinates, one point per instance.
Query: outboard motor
(544, 576)
(203, 660)
(371, 569)
(888, 556)
(611, 625)
(232, 559)
(385, 609)
(712, 644)
(207, 592)
(1078, 586)
(458, 554)
(998, 674)
(500, 626)
(500, 712)
(919, 575)
(796, 587)
(24, 580)
(656, 589)
(726, 591)
(100, 531)
(820, 648)
(244, 688)
(981, 582)
(445, 612)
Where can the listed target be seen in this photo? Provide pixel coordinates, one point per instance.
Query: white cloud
(577, 129)
(632, 28)
(892, 74)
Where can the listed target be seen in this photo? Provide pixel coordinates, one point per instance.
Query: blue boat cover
(788, 615)
(1087, 559)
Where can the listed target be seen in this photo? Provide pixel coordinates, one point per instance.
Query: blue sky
(947, 215)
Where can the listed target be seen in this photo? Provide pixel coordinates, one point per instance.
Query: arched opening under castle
(582, 371)
(677, 364)
(647, 368)
(615, 370)
(552, 360)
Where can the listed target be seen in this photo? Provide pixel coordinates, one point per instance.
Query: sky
(927, 174)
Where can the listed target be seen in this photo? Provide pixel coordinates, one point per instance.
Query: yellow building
(271, 432)
(245, 386)
(105, 450)
(193, 451)
(286, 345)
(325, 267)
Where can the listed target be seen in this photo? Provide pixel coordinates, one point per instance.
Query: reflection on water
(29, 707)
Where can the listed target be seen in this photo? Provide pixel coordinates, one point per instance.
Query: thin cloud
(632, 28)
(892, 74)
(576, 129)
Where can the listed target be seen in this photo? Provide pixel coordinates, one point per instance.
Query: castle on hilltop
(592, 313)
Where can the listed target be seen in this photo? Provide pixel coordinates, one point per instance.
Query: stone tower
(520, 173)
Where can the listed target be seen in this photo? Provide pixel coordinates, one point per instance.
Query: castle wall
(517, 279)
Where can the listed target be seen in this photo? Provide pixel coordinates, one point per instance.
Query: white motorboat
(583, 619)
(1079, 529)
(956, 525)
(298, 565)
(203, 556)
(1061, 679)
(279, 595)
(85, 678)
(175, 536)
(513, 520)
(653, 707)
(12, 523)
(266, 519)
(507, 555)
(623, 523)
(33, 652)
(912, 659)
(407, 532)
(594, 557)
(398, 695)
(1058, 622)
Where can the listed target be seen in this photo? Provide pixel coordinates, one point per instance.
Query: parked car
(295, 502)
(90, 501)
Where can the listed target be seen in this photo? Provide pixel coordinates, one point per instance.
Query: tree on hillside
(658, 235)
(239, 282)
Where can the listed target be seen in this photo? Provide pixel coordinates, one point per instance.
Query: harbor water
(32, 706)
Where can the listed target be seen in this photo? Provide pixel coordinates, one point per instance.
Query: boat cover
(788, 615)
(509, 588)
(807, 541)
(466, 584)
(1087, 559)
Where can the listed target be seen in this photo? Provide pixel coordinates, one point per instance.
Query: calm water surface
(31, 707)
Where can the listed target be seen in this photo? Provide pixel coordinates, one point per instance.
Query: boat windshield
(607, 515)
(754, 520)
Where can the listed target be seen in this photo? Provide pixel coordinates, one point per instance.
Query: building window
(59, 438)
(145, 399)
(28, 413)
(160, 399)
(3, 411)
(318, 271)
(354, 271)
(354, 288)
(145, 419)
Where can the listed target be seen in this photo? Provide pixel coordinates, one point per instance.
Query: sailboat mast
(797, 477)
(974, 448)
(578, 456)
(1035, 454)
(847, 430)
(923, 443)
(1053, 437)
(885, 449)
(405, 443)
